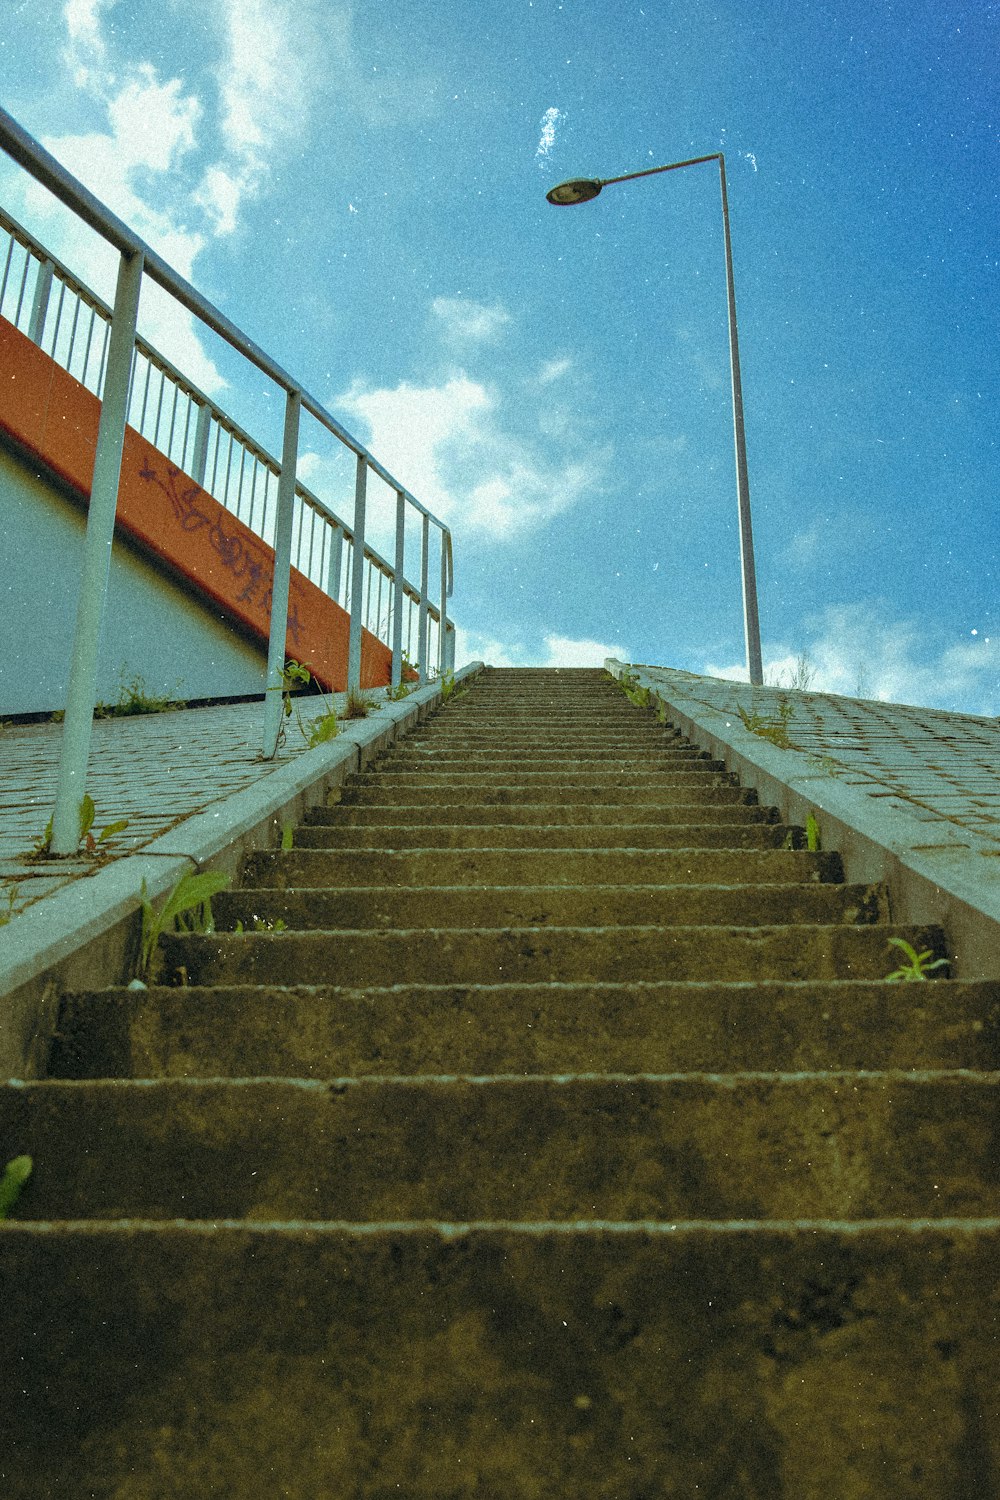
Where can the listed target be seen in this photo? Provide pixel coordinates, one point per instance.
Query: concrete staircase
(567, 1141)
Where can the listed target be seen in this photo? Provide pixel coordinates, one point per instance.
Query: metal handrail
(136, 260)
(159, 362)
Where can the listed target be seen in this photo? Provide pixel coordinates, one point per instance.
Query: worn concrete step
(457, 955)
(326, 1031)
(569, 1148)
(735, 835)
(490, 813)
(492, 866)
(593, 779)
(654, 737)
(565, 757)
(792, 1361)
(485, 795)
(557, 905)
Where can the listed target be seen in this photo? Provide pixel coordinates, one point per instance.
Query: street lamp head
(578, 190)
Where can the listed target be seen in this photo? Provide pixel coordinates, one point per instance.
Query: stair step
(509, 1361)
(428, 792)
(732, 836)
(561, 905)
(540, 954)
(595, 781)
(497, 866)
(727, 805)
(659, 1027)
(608, 1147)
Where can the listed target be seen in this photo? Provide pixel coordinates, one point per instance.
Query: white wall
(181, 647)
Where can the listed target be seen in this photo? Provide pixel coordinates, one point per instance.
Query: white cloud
(452, 448)
(855, 651)
(548, 651)
(547, 138)
(467, 321)
(554, 369)
(86, 47)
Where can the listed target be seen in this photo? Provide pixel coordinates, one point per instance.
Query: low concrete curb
(84, 935)
(937, 872)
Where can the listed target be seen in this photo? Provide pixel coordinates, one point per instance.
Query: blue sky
(361, 187)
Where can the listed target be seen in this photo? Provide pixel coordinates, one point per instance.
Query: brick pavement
(943, 767)
(153, 769)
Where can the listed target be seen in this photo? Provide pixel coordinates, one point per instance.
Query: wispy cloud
(544, 651)
(547, 139)
(856, 650)
(466, 321)
(452, 447)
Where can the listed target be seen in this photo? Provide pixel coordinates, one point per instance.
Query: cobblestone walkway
(153, 769)
(938, 766)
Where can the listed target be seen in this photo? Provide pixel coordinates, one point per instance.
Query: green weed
(93, 845)
(774, 730)
(918, 966)
(15, 1175)
(294, 676)
(642, 697)
(261, 924)
(813, 840)
(10, 910)
(287, 836)
(188, 908)
(358, 706)
(133, 699)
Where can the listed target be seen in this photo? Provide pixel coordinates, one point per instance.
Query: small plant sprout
(773, 730)
(261, 924)
(15, 1175)
(358, 706)
(8, 910)
(94, 845)
(317, 731)
(287, 837)
(133, 699)
(814, 842)
(188, 908)
(918, 965)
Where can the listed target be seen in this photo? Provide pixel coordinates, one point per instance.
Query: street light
(581, 190)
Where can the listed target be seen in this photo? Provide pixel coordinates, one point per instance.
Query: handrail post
(336, 562)
(357, 578)
(74, 749)
(40, 304)
(397, 591)
(199, 460)
(425, 531)
(282, 576)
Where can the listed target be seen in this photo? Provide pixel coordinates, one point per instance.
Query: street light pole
(581, 190)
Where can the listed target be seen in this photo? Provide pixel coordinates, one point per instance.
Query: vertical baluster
(422, 629)
(357, 577)
(57, 321)
(169, 450)
(239, 482)
(6, 269)
(21, 289)
(104, 359)
(335, 561)
(397, 590)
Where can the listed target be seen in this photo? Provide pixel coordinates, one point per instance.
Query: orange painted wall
(49, 413)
